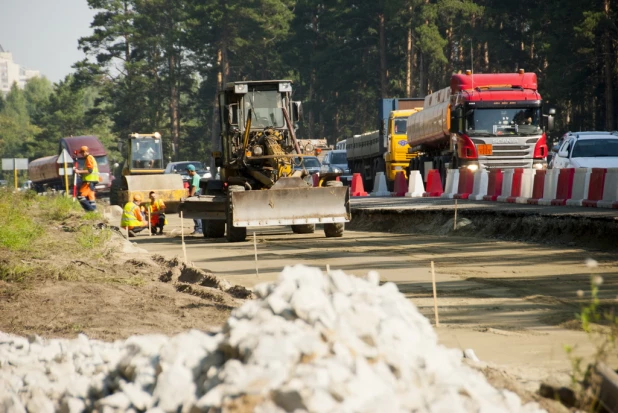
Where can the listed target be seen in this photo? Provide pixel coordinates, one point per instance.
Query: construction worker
(194, 190)
(157, 214)
(132, 218)
(90, 179)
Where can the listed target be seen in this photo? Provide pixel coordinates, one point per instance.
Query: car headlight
(337, 170)
(257, 150)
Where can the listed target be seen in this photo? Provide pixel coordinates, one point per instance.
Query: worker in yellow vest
(157, 214)
(132, 218)
(90, 179)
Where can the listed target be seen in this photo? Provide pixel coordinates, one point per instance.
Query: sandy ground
(513, 303)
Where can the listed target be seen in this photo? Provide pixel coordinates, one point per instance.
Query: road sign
(69, 171)
(64, 157)
(10, 164)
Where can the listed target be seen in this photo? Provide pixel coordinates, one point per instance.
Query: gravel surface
(309, 342)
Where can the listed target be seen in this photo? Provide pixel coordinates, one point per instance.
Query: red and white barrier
(595, 187)
(565, 186)
(357, 189)
(551, 184)
(507, 185)
(379, 185)
(610, 189)
(465, 185)
(494, 185)
(537, 187)
(521, 189)
(434, 184)
(452, 183)
(415, 185)
(581, 180)
(400, 185)
(481, 181)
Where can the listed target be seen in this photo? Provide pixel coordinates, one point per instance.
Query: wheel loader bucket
(291, 202)
(168, 187)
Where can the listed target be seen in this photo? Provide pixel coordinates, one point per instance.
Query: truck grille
(516, 153)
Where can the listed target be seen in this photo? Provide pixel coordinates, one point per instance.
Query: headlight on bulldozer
(257, 150)
(308, 148)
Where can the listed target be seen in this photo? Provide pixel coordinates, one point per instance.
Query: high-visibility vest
(94, 175)
(155, 207)
(128, 216)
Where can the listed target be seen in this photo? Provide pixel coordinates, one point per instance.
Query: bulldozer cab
(145, 154)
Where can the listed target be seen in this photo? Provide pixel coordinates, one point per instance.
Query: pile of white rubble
(310, 342)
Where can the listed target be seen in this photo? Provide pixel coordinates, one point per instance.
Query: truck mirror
(550, 123)
(232, 114)
(297, 111)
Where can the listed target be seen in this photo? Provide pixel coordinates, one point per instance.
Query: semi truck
(481, 121)
(258, 185)
(45, 172)
(386, 149)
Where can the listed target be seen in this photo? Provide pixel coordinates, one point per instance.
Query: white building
(11, 72)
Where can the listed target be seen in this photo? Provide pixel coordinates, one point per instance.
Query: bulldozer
(142, 172)
(258, 185)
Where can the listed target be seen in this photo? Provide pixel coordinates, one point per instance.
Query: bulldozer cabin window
(146, 154)
(266, 107)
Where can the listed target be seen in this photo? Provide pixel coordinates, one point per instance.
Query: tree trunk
(409, 67)
(421, 81)
(608, 72)
(383, 68)
(174, 118)
(214, 132)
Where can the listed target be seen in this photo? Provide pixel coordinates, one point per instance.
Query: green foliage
(59, 208)
(90, 238)
(18, 229)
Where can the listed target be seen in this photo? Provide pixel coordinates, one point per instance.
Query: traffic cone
(357, 186)
(401, 185)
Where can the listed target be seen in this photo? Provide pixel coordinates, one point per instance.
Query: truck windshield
(400, 126)
(266, 105)
(503, 121)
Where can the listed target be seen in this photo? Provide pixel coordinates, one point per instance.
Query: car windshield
(592, 148)
(503, 121)
(311, 162)
(182, 167)
(338, 158)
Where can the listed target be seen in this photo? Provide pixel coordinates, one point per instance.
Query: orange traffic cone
(401, 185)
(357, 186)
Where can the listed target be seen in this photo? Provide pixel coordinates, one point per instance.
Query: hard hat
(83, 149)
(137, 198)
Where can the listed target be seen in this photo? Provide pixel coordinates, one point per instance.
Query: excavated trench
(596, 232)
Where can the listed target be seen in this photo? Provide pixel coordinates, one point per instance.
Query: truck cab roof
(74, 143)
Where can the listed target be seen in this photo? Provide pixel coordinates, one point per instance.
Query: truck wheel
(303, 229)
(333, 230)
(113, 192)
(213, 228)
(234, 234)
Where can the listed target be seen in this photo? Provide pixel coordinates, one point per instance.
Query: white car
(587, 150)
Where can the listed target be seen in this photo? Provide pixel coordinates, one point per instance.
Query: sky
(43, 34)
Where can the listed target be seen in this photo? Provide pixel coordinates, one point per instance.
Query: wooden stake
(435, 297)
(149, 224)
(182, 236)
(455, 219)
(257, 274)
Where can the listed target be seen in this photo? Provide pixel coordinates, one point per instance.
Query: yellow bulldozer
(142, 172)
(259, 185)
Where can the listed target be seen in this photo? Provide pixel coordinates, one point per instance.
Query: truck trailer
(386, 149)
(481, 121)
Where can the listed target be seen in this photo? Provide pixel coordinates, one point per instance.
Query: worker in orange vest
(157, 214)
(90, 178)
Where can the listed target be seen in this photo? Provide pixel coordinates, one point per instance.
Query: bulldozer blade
(168, 187)
(211, 207)
(291, 206)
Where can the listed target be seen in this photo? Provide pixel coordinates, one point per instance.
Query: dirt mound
(588, 232)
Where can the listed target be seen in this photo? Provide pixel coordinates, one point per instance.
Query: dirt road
(513, 303)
